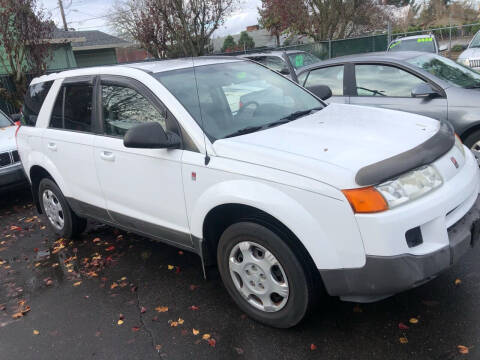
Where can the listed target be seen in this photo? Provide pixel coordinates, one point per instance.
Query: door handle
(107, 156)
(52, 146)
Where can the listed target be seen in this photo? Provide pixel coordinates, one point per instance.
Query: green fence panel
(359, 45)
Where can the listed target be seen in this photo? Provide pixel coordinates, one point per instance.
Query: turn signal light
(365, 200)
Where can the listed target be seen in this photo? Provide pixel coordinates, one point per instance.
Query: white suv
(286, 197)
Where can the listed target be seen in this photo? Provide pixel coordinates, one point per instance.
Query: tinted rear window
(34, 99)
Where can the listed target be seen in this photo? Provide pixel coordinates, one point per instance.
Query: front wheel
(62, 220)
(263, 275)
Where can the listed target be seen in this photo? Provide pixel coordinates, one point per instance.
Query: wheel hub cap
(53, 209)
(258, 276)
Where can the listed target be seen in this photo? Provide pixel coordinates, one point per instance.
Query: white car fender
(281, 202)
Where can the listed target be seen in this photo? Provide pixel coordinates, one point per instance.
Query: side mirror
(442, 48)
(150, 136)
(322, 91)
(285, 71)
(424, 90)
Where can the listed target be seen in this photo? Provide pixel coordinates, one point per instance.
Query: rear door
(68, 143)
(390, 87)
(335, 77)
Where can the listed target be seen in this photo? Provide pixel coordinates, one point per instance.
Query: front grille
(5, 159)
(15, 156)
(474, 63)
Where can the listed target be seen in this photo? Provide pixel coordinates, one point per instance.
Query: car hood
(7, 139)
(333, 144)
(470, 53)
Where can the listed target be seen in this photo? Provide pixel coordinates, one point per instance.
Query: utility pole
(62, 12)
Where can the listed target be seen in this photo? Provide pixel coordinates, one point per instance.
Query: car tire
(60, 217)
(253, 289)
(472, 141)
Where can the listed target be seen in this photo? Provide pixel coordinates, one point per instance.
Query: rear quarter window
(34, 99)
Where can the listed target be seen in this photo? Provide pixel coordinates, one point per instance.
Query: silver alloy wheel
(476, 150)
(258, 276)
(53, 209)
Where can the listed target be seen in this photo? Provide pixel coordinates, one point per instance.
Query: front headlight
(464, 62)
(410, 186)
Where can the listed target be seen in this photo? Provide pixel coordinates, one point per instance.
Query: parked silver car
(423, 43)
(471, 56)
(11, 171)
(416, 82)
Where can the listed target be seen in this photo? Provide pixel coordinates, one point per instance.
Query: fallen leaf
(193, 287)
(413, 321)
(177, 270)
(36, 332)
(458, 282)
(3, 307)
(158, 347)
(15, 228)
(194, 308)
(110, 248)
(173, 323)
(170, 267)
(96, 240)
(17, 315)
(212, 342)
(113, 286)
(120, 322)
(161, 309)
(123, 278)
(180, 321)
(403, 340)
(313, 347)
(135, 328)
(206, 336)
(463, 349)
(143, 310)
(180, 252)
(402, 326)
(77, 283)
(195, 332)
(239, 350)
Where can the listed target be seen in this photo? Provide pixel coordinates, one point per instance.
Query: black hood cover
(423, 154)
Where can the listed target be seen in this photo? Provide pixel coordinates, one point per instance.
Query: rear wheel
(62, 220)
(263, 275)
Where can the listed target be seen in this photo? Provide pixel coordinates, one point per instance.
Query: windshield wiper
(293, 116)
(244, 131)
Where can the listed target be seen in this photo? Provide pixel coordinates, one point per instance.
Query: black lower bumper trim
(383, 276)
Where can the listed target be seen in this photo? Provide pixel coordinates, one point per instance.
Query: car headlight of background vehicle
(410, 186)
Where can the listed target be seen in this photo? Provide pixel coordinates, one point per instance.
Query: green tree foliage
(245, 41)
(229, 44)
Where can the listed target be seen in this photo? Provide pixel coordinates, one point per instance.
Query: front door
(143, 188)
(390, 87)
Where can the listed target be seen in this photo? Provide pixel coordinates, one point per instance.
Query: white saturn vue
(288, 197)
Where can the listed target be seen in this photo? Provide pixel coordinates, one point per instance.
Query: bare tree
(172, 27)
(24, 34)
(325, 19)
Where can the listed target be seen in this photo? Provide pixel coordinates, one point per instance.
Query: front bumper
(12, 176)
(383, 276)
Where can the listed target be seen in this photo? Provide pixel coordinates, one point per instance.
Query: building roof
(92, 40)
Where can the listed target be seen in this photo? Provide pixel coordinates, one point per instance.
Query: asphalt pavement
(114, 295)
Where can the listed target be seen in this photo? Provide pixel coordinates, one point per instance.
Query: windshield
(237, 97)
(475, 41)
(4, 120)
(447, 70)
(302, 59)
(425, 44)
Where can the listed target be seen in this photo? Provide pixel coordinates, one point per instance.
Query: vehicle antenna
(207, 158)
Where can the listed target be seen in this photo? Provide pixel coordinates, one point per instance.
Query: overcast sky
(92, 15)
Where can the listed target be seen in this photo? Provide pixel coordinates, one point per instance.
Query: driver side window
(124, 108)
(385, 80)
